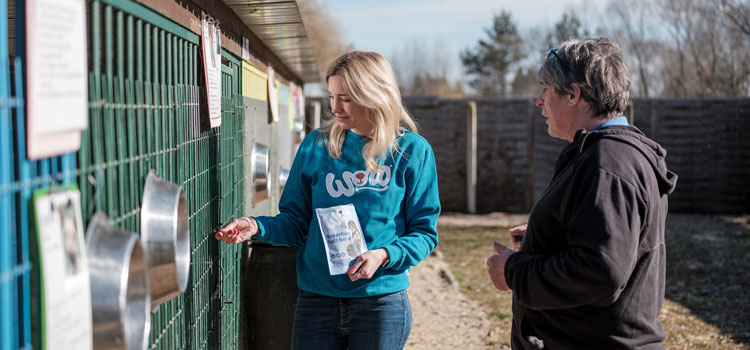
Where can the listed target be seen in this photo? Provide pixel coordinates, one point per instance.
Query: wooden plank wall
(444, 123)
(708, 146)
(707, 143)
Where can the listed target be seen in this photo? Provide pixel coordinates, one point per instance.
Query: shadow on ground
(708, 271)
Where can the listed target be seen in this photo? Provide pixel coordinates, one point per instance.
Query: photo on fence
(342, 236)
(59, 262)
(71, 244)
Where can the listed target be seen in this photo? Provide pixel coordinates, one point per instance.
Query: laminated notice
(342, 236)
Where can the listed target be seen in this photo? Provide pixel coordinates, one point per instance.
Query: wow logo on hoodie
(358, 181)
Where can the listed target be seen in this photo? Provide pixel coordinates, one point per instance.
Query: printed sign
(245, 48)
(57, 76)
(211, 41)
(292, 104)
(64, 297)
(273, 99)
(300, 97)
(342, 237)
(298, 108)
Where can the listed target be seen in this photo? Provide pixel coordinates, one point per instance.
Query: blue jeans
(379, 322)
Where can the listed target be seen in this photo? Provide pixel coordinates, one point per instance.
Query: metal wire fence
(145, 108)
(19, 177)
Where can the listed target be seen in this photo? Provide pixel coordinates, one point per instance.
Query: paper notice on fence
(245, 49)
(61, 273)
(57, 76)
(342, 236)
(211, 41)
(273, 98)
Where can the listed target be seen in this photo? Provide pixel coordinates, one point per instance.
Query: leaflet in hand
(342, 236)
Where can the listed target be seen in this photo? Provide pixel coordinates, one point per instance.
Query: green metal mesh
(146, 107)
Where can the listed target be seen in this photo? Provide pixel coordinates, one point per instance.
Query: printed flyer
(342, 236)
(57, 84)
(273, 98)
(211, 42)
(63, 302)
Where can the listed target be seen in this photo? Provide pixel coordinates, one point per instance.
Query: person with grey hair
(588, 270)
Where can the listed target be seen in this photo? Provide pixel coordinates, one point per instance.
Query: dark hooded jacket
(591, 268)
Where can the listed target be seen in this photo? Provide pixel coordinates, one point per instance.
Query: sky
(388, 26)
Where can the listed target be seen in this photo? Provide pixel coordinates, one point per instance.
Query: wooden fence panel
(707, 143)
(443, 124)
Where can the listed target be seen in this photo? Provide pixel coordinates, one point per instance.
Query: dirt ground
(443, 317)
(706, 294)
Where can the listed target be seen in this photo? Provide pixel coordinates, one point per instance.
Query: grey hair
(597, 67)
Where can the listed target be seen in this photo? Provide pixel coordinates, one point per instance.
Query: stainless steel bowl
(298, 130)
(165, 235)
(259, 172)
(120, 298)
(283, 176)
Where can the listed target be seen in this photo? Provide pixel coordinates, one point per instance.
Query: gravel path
(443, 317)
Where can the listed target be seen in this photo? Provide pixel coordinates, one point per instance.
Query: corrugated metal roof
(279, 25)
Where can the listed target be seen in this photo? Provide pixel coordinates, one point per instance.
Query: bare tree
(538, 42)
(711, 57)
(738, 13)
(678, 22)
(423, 70)
(323, 31)
(632, 24)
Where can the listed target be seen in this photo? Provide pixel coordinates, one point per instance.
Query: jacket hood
(634, 137)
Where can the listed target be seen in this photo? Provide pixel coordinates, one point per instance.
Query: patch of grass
(708, 279)
(500, 315)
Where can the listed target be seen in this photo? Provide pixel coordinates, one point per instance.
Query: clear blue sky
(383, 25)
(388, 26)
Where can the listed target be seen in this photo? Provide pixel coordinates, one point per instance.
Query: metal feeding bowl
(259, 172)
(165, 234)
(283, 176)
(120, 297)
(298, 130)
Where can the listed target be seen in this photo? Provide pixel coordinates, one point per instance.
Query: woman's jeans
(379, 322)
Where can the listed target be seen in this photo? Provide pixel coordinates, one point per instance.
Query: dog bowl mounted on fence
(298, 131)
(283, 176)
(120, 298)
(259, 172)
(165, 234)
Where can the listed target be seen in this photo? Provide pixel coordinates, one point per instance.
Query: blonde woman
(368, 156)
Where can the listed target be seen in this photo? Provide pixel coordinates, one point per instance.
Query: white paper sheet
(66, 295)
(273, 99)
(57, 76)
(211, 42)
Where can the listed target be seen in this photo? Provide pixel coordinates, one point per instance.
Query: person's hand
(367, 263)
(496, 265)
(516, 236)
(238, 230)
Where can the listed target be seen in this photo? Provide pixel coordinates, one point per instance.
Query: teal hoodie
(397, 209)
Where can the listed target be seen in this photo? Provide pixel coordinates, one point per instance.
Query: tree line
(673, 48)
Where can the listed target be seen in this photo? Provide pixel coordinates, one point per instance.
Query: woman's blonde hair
(369, 81)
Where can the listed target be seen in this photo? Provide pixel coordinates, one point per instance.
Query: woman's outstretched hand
(238, 230)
